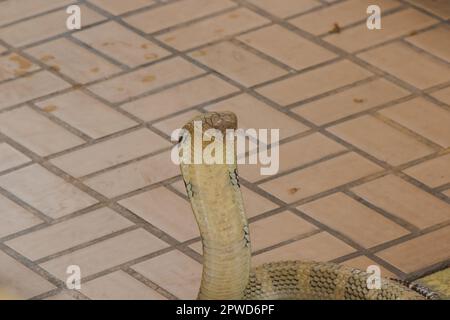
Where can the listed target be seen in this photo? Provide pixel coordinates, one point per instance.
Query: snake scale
(216, 200)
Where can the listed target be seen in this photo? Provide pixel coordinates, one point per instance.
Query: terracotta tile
(319, 247)
(362, 262)
(433, 173)
(411, 66)
(435, 41)
(175, 13)
(134, 176)
(312, 147)
(174, 272)
(351, 218)
(320, 177)
(314, 82)
(14, 65)
(405, 201)
(354, 100)
(20, 281)
(27, 8)
(86, 114)
(197, 247)
(422, 117)
(168, 93)
(437, 7)
(118, 286)
(420, 252)
(118, 7)
(121, 44)
(287, 47)
(276, 229)
(10, 157)
(61, 296)
(110, 152)
(169, 125)
(43, 27)
(29, 88)
(285, 8)
(393, 26)
(36, 132)
(255, 204)
(380, 140)
(443, 95)
(46, 192)
(106, 254)
(74, 61)
(68, 234)
(180, 187)
(180, 97)
(166, 211)
(254, 114)
(343, 13)
(142, 80)
(330, 1)
(212, 29)
(14, 218)
(238, 64)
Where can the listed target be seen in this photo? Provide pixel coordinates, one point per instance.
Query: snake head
(204, 139)
(213, 120)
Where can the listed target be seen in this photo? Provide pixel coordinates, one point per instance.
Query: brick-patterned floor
(85, 119)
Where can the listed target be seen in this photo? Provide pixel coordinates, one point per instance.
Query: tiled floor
(86, 117)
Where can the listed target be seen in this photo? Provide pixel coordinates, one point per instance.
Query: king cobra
(216, 200)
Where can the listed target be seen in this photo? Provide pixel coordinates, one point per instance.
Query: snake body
(216, 199)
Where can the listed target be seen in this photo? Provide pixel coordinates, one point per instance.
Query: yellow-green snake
(216, 199)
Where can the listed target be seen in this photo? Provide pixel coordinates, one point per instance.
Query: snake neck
(216, 200)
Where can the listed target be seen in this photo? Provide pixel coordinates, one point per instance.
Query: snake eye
(182, 137)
